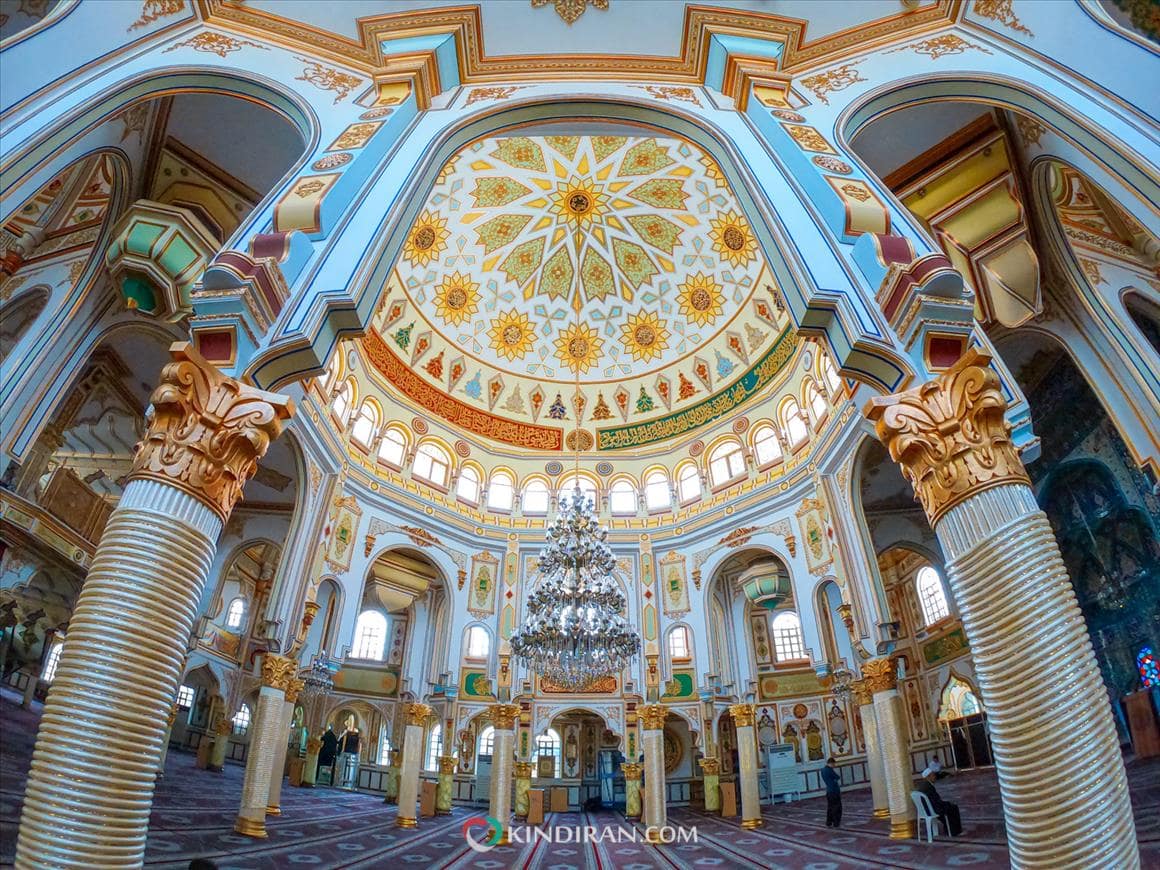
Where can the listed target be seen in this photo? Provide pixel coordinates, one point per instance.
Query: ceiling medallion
(570, 10)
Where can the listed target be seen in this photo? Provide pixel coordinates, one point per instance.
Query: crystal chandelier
(319, 680)
(574, 633)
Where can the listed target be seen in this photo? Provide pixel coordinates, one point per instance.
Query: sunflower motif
(579, 347)
(700, 299)
(426, 240)
(511, 335)
(732, 240)
(457, 298)
(644, 336)
(579, 201)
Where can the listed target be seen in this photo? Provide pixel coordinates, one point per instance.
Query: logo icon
(495, 831)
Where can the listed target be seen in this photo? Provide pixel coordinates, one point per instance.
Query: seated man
(945, 810)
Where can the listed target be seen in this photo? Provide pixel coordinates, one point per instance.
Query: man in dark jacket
(945, 810)
(833, 794)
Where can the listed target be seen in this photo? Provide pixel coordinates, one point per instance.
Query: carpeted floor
(194, 811)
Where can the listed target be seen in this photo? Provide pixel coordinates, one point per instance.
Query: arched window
(365, 424)
(657, 495)
(499, 491)
(478, 642)
(467, 489)
(342, 401)
(236, 613)
(688, 483)
(680, 650)
(622, 498)
(52, 661)
(726, 463)
(434, 747)
(547, 744)
(333, 372)
(931, 595)
(385, 749)
(370, 636)
(793, 423)
(487, 741)
(241, 720)
(185, 697)
(787, 637)
(817, 403)
(535, 498)
(393, 447)
(829, 373)
(432, 464)
(766, 447)
(568, 486)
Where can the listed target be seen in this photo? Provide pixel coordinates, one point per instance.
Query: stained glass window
(1149, 669)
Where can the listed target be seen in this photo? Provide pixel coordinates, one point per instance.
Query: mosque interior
(432, 426)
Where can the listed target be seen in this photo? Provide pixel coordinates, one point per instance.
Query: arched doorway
(962, 715)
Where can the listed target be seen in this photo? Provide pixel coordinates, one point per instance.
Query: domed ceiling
(623, 261)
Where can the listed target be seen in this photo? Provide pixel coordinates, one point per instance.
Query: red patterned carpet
(194, 812)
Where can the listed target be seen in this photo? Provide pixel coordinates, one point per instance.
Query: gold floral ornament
(579, 201)
(457, 298)
(570, 10)
(653, 716)
(512, 335)
(837, 79)
(207, 431)
(503, 716)
(327, 79)
(743, 714)
(579, 347)
(644, 335)
(732, 240)
(949, 435)
(214, 43)
(879, 675)
(426, 240)
(278, 671)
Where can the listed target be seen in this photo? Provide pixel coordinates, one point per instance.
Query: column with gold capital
(652, 718)
(391, 782)
(119, 671)
(711, 775)
(880, 677)
(170, 720)
(417, 716)
(445, 785)
(503, 718)
(1004, 568)
(632, 772)
(864, 698)
(310, 764)
(277, 672)
(745, 718)
(221, 745)
(277, 774)
(523, 772)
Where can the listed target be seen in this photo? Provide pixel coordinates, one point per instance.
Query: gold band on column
(405, 822)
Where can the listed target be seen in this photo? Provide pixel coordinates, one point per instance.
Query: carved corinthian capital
(207, 431)
(278, 671)
(503, 716)
(879, 675)
(743, 714)
(949, 435)
(653, 716)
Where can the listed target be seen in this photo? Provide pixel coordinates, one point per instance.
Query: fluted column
(711, 776)
(880, 677)
(864, 698)
(278, 773)
(1065, 800)
(265, 731)
(632, 773)
(445, 785)
(523, 773)
(503, 719)
(745, 718)
(652, 717)
(391, 790)
(417, 716)
(90, 786)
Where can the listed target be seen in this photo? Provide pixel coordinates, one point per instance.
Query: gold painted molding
(949, 435)
(207, 431)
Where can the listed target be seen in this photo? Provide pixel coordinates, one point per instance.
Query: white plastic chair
(925, 814)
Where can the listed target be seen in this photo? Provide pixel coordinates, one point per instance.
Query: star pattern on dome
(456, 299)
(426, 240)
(644, 335)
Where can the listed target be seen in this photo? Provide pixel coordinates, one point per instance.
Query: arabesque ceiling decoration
(623, 260)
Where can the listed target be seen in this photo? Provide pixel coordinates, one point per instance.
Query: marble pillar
(221, 745)
(1065, 800)
(523, 773)
(391, 781)
(90, 789)
(864, 698)
(417, 716)
(265, 732)
(169, 722)
(632, 772)
(278, 773)
(711, 776)
(503, 719)
(880, 677)
(652, 717)
(310, 766)
(745, 718)
(445, 786)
